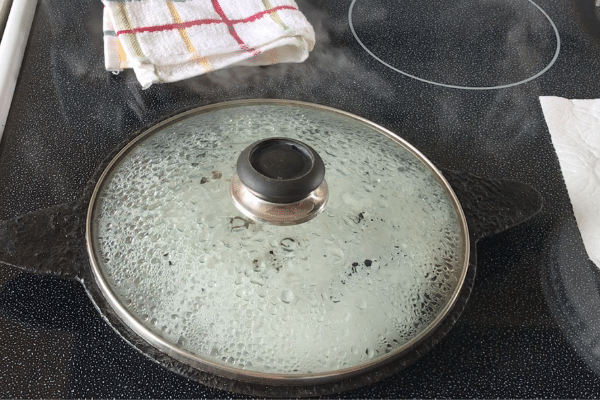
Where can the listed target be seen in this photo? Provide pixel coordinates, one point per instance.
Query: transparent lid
(374, 272)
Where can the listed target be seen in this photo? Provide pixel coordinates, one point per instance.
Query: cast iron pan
(52, 241)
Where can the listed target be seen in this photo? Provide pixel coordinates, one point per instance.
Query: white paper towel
(574, 126)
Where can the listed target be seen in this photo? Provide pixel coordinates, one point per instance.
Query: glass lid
(371, 273)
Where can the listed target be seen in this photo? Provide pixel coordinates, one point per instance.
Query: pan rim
(273, 379)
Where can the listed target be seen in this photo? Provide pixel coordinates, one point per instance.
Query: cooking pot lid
(370, 276)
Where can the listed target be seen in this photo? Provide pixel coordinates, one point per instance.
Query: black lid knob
(280, 170)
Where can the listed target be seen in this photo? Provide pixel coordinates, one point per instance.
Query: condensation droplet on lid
(370, 352)
(274, 300)
(286, 296)
(289, 244)
(257, 281)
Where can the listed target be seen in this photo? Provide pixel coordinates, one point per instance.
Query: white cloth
(574, 126)
(171, 40)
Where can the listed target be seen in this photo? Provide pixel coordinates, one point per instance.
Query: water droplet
(286, 296)
(370, 352)
(288, 244)
(257, 281)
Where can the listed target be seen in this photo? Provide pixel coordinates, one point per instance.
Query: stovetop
(460, 80)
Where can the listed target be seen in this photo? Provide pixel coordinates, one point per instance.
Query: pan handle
(493, 205)
(52, 240)
(47, 241)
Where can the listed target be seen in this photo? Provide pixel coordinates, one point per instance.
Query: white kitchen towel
(171, 40)
(574, 126)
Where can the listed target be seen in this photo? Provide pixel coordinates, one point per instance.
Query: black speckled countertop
(530, 328)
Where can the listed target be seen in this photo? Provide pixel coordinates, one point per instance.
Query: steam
(331, 75)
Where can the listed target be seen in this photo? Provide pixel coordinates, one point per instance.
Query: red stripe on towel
(229, 22)
(230, 26)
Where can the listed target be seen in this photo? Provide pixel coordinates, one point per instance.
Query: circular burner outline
(456, 86)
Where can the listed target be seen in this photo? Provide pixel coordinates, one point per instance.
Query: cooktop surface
(459, 80)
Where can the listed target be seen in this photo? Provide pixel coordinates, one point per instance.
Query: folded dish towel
(574, 126)
(170, 40)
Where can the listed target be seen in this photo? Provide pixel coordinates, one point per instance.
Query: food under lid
(372, 274)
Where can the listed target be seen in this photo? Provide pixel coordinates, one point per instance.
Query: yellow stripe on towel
(186, 39)
(123, 64)
(135, 45)
(274, 16)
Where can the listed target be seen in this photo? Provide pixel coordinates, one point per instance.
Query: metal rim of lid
(230, 372)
